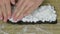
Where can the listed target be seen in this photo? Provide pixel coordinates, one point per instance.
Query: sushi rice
(43, 13)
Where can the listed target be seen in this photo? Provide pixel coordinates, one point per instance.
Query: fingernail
(15, 21)
(9, 17)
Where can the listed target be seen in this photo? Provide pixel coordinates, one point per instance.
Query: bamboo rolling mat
(34, 29)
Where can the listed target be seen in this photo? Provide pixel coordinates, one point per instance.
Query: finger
(18, 5)
(8, 8)
(36, 5)
(4, 13)
(1, 17)
(21, 15)
(29, 11)
(21, 10)
(29, 5)
(13, 2)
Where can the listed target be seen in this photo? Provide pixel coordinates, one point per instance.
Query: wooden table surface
(34, 29)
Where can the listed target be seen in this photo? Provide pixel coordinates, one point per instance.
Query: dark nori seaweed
(39, 22)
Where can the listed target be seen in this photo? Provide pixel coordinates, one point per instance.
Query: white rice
(44, 13)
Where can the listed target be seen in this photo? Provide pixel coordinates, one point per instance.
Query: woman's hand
(5, 9)
(25, 7)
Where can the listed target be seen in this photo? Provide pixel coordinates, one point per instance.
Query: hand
(5, 9)
(25, 7)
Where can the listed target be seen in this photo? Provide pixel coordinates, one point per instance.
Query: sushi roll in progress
(44, 14)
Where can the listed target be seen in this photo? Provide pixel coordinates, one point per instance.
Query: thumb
(13, 2)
